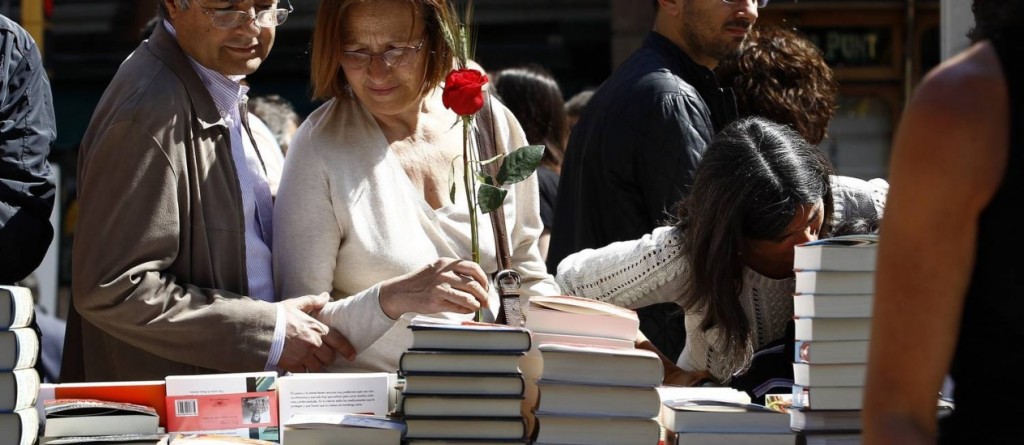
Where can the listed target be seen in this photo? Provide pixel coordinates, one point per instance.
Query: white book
(17, 307)
(334, 393)
(831, 351)
(19, 349)
(598, 400)
(570, 315)
(828, 397)
(849, 374)
(543, 338)
(712, 416)
(18, 389)
(834, 282)
(833, 328)
(341, 429)
(736, 439)
(240, 404)
(600, 366)
(841, 253)
(837, 420)
(596, 430)
(832, 306)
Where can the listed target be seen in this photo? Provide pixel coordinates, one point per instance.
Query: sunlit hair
(534, 98)
(328, 78)
(751, 182)
(782, 76)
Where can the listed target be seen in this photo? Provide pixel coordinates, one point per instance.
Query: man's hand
(310, 345)
(446, 285)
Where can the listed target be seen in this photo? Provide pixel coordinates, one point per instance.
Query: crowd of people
(248, 237)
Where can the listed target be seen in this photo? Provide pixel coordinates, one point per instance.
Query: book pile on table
(835, 279)
(594, 386)
(707, 416)
(463, 382)
(19, 381)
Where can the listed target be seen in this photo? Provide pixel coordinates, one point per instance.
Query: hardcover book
(19, 349)
(464, 428)
(460, 406)
(334, 393)
(597, 430)
(482, 384)
(737, 439)
(342, 429)
(832, 306)
(443, 334)
(601, 366)
(834, 282)
(600, 401)
(828, 397)
(832, 329)
(18, 389)
(831, 351)
(542, 338)
(841, 253)
(242, 404)
(460, 362)
(19, 427)
(804, 419)
(846, 374)
(87, 417)
(16, 307)
(568, 315)
(714, 416)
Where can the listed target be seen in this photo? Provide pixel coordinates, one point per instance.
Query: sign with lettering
(855, 46)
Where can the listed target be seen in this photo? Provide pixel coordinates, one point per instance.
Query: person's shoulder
(965, 87)
(10, 26)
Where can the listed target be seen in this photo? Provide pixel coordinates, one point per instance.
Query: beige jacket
(158, 273)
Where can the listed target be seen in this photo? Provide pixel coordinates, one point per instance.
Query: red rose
(463, 91)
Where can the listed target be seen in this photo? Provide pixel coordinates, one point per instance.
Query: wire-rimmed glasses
(391, 58)
(232, 18)
(759, 3)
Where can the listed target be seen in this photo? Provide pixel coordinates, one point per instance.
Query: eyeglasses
(759, 3)
(232, 18)
(393, 57)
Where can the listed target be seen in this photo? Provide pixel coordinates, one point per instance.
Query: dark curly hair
(780, 75)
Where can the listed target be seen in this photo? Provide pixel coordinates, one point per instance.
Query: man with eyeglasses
(171, 264)
(632, 155)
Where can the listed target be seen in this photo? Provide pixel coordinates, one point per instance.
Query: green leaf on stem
(490, 197)
(520, 164)
(484, 178)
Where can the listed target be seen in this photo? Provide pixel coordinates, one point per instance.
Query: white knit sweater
(649, 270)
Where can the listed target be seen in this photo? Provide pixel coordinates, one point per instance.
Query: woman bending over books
(760, 190)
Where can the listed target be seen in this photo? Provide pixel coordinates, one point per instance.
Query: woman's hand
(446, 285)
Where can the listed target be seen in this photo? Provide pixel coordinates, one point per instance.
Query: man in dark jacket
(27, 183)
(633, 153)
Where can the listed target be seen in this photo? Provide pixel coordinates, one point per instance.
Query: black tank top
(987, 394)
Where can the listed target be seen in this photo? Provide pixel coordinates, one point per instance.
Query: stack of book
(463, 382)
(19, 381)
(835, 279)
(594, 386)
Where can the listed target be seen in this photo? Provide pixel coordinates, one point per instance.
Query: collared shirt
(230, 96)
